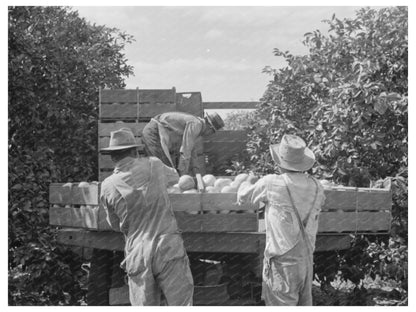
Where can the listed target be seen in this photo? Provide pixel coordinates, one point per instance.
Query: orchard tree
(57, 63)
(348, 99)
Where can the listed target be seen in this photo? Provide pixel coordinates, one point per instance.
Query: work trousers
(287, 279)
(152, 143)
(168, 273)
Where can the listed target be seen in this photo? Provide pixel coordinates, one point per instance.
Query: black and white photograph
(207, 154)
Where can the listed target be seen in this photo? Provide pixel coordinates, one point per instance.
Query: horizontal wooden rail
(230, 105)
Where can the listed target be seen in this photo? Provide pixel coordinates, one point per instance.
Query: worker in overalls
(137, 204)
(172, 137)
(293, 202)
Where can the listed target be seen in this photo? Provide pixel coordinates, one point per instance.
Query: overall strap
(302, 225)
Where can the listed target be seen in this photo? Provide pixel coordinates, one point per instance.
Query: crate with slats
(346, 210)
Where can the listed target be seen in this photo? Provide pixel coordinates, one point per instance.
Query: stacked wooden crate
(133, 109)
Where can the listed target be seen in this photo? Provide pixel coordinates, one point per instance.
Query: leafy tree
(57, 63)
(348, 99)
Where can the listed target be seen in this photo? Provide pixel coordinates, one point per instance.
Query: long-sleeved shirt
(179, 133)
(149, 176)
(282, 227)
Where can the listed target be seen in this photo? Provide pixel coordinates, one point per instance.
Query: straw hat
(215, 120)
(121, 139)
(292, 154)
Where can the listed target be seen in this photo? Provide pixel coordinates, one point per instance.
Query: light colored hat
(292, 154)
(215, 120)
(121, 139)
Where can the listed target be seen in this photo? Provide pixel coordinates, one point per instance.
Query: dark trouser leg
(152, 145)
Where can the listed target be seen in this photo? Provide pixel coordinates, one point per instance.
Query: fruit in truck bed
(191, 191)
(229, 189)
(244, 185)
(241, 177)
(174, 189)
(221, 182)
(208, 180)
(186, 182)
(252, 179)
(211, 189)
(83, 184)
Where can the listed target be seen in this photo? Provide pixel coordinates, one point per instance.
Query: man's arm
(190, 135)
(108, 205)
(172, 176)
(254, 193)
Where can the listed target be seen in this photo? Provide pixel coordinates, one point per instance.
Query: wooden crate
(136, 104)
(71, 207)
(347, 210)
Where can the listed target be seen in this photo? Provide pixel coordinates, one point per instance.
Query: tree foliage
(57, 63)
(348, 99)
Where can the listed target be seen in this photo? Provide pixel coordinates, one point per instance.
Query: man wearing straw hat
(137, 204)
(293, 202)
(172, 137)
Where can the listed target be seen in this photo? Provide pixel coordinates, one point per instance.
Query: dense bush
(348, 98)
(57, 63)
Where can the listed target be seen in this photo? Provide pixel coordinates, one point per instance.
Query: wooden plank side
(185, 202)
(227, 136)
(119, 111)
(84, 217)
(354, 221)
(118, 96)
(245, 222)
(157, 95)
(223, 201)
(196, 242)
(119, 296)
(105, 128)
(222, 242)
(149, 110)
(72, 194)
(351, 199)
(60, 193)
(230, 105)
(190, 103)
(87, 195)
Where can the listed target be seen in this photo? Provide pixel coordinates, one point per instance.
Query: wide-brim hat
(215, 120)
(292, 154)
(121, 139)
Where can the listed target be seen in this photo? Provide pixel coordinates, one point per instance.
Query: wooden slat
(223, 201)
(84, 217)
(86, 195)
(71, 194)
(217, 222)
(230, 105)
(190, 103)
(196, 242)
(362, 221)
(157, 95)
(351, 199)
(119, 111)
(222, 242)
(105, 128)
(60, 193)
(227, 136)
(149, 110)
(118, 96)
(350, 222)
(119, 296)
(207, 202)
